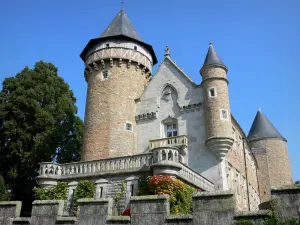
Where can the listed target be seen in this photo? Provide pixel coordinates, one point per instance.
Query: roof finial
(122, 4)
(259, 108)
(210, 42)
(167, 51)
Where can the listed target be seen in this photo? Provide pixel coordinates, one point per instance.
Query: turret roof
(120, 27)
(212, 57)
(262, 128)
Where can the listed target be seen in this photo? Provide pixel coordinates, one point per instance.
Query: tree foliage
(4, 194)
(37, 123)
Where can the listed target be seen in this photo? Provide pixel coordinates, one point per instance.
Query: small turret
(118, 66)
(270, 150)
(217, 108)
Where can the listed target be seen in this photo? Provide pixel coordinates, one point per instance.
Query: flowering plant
(179, 192)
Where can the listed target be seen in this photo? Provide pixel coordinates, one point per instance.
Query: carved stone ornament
(167, 94)
(170, 120)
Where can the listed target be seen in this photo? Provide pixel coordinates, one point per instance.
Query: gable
(169, 75)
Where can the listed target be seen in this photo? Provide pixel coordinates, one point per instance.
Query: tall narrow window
(128, 126)
(101, 192)
(105, 74)
(132, 189)
(224, 114)
(212, 92)
(135, 48)
(172, 130)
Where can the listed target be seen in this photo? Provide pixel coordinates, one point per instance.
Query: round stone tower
(118, 66)
(216, 104)
(270, 150)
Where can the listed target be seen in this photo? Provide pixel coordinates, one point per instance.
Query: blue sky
(257, 40)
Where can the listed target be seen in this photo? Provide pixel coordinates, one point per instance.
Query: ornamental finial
(122, 4)
(210, 42)
(167, 51)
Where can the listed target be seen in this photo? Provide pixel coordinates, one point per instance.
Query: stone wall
(278, 161)
(110, 105)
(209, 208)
(238, 158)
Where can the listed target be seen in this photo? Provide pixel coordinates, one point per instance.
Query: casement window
(171, 130)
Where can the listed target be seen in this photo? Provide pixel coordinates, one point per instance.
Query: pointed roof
(121, 25)
(262, 128)
(212, 57)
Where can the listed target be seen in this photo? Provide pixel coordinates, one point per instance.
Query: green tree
(37, 124)
(4, 194)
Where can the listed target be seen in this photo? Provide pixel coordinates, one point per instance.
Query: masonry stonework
(110, 105)
(278, 160)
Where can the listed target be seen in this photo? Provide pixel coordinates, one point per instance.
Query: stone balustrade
(178, 141)
(194, 178)
(166, 153)
(164, 160)
(127, 163)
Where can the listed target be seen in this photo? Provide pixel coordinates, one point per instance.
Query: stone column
(8, 211)
(46, 212)
(94, 211)
(151, 209)
(213, 208)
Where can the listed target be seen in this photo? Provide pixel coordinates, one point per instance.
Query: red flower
(126, 212)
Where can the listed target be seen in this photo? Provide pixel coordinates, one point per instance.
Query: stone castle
(165, 124)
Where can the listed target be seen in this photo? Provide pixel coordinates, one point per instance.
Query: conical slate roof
(122, 28)
(262, 128)
(212, 57)
(121, 25)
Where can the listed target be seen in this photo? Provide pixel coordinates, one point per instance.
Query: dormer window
(135, 48)
(212, 92)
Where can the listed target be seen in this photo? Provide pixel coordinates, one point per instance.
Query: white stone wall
(181, 104)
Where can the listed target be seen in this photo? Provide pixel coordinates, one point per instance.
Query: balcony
(180, 142)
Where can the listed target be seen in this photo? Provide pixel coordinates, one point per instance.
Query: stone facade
(242, 171)
(275, 170)
(110, 105)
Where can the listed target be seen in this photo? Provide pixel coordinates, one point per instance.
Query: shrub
(4, 194)
(59, 192)
(85, 189)
(179, 192)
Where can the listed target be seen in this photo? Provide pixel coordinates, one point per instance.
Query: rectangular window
(128, 126)
(172, 130)
(224, 114)
(132, 189)
(135, 48)
(105, 74)
(212, 92)
(107, 45)
(101, 192)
